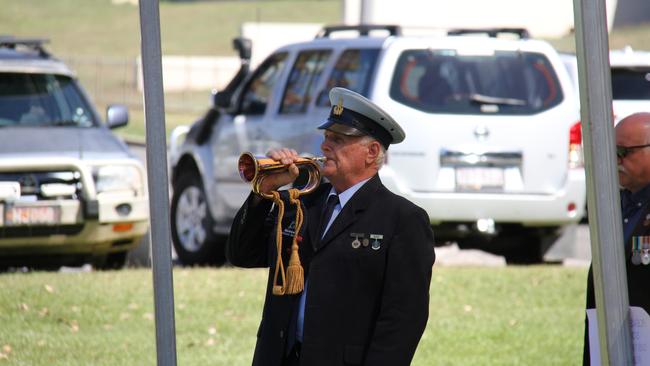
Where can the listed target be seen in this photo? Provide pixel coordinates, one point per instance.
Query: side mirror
(117, 115)
(220, 99)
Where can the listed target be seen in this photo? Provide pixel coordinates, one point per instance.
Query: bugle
(255, 168)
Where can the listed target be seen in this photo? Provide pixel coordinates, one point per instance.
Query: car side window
(631, 83)
(353, 70)
(303, 79)
(258, 91)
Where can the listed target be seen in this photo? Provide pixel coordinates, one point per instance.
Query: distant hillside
(99, 28)
(637, 37)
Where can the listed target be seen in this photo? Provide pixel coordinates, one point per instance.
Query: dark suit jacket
(363, 306)
(638, 279)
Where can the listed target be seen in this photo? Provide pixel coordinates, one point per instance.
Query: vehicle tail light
(575, 146)
(571, 209)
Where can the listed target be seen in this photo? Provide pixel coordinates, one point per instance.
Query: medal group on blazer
(641, 250)
(360, 240)
(364, 242)
(641, 246)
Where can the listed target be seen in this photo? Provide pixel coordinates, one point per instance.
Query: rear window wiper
(486, 99)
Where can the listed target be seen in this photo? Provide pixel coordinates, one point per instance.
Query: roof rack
(363, 29)
(35, 44)
(522, 33)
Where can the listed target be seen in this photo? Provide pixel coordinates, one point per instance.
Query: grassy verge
(100, 41)
(478, 316)
(636, 37)
(99, 28)
(136, 129)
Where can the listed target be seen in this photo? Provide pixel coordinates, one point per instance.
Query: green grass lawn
(478, 316)
(136, 130)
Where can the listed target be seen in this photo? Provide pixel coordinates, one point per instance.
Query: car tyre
(191, 222)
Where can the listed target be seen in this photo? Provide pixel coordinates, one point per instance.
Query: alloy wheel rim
(191, 214)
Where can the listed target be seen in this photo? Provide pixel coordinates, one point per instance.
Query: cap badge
(338, 108)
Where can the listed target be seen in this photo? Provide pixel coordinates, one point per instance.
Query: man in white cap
(367, 265)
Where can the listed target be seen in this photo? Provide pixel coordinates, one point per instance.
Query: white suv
(492, 149)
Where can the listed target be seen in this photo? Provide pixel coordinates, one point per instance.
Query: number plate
(32, 215)
(476, 179)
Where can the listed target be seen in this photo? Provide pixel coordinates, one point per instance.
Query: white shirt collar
(345, 196)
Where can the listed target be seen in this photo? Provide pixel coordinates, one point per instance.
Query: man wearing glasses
(633, 155)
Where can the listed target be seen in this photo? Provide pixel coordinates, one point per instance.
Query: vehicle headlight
(114, 178)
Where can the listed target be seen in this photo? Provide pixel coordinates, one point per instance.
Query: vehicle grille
(31, 183)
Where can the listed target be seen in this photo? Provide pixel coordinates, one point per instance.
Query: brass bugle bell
(255, 168)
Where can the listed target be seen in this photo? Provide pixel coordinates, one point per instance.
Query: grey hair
(379, 162)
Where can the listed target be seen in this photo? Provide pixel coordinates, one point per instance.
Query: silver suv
(492, 149)
(70, 191)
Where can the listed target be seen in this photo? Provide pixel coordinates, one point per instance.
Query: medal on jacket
(356, 243)
(376, 244)
(640, 250)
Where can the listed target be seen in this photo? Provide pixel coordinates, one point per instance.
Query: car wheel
(194, 240)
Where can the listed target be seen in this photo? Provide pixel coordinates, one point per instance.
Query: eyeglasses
(623, 151)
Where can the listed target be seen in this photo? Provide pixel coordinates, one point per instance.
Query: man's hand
(274, 181)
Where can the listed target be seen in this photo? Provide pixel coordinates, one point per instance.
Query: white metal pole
(154, 109)
(366, 12)
(605, 227)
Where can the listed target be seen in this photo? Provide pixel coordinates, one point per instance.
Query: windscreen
(631, 83)
(42, 100)
(500, 82)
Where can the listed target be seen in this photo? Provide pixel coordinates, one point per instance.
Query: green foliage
(478, 316)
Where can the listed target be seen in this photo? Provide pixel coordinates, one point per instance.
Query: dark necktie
(332, 201)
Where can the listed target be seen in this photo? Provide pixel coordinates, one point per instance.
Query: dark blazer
(363, 306)
(638, 279)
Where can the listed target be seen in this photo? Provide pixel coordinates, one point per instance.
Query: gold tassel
(294, 281)
(295, 272)
(279, 266)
